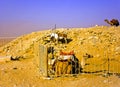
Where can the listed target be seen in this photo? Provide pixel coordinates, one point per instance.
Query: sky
(18, 17)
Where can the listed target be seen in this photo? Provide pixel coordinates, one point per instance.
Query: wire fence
(60, 66)
(51, 65)
(105, 63)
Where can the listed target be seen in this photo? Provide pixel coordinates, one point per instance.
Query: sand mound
(94, 40)
(99, 42)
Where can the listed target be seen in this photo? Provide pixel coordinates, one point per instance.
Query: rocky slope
(102, 43)
(94, 40)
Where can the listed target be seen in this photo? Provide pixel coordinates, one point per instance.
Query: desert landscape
(5, 40)
(100, 70)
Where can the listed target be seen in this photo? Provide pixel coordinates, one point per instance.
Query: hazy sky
(19, 17)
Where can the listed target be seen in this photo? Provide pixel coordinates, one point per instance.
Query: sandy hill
(100, 42)
(94, 41)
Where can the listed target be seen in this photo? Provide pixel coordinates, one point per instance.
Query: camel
(58, 37)
(66, 64)
(113, 22)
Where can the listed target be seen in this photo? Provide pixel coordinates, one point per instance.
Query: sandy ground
(95, 41)
(23, 73)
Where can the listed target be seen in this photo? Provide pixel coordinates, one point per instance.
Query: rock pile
(96, 41)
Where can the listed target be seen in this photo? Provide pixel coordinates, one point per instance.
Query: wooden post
(83, 62)
(43, 61)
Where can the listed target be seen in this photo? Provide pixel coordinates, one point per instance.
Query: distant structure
(113, 22)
